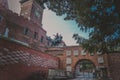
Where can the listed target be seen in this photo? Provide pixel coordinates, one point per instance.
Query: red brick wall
(28, 10)
(19, 71)
(4, 3)
(75, 59)
(61, 53)
(16, 24)
(26, 7)
(114, 65)
(18, 62)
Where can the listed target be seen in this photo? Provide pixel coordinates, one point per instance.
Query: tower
(4, 3)
(32, 10)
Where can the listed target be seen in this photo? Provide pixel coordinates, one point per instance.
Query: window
(68, 53)
(35, 35)
(91, 54)
(6, 32)
(37, 13)
(68, 68)
(99, 52)
(48, 43)
(68, 61)
(42, 39)
(100, 59)
(26, 30)
(83, 52)
(75, 52)
(1, 18)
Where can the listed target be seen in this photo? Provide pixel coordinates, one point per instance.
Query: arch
(85, 60)
(84, 66)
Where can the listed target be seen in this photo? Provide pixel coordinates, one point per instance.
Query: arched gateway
(75, 61)
(85, 68)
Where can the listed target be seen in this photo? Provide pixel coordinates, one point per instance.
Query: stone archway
(85, 68)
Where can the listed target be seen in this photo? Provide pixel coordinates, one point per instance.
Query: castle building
(23, 43)
(25, 47)
(25, 28)
(71, 57)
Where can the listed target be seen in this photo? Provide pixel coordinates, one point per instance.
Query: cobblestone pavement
(84, 76)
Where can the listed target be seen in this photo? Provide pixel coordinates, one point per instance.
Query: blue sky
(54, 24)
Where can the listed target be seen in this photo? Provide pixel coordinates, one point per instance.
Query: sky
(54, 24)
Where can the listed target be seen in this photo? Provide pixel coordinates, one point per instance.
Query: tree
(100, 17)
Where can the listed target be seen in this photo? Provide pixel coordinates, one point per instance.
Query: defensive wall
(18, 62)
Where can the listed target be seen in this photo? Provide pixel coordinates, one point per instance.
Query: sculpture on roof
(57, 39)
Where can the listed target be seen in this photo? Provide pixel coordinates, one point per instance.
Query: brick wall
(28, 10)
(18, 62)
(16, 25)
(62, 54)
(75, 59)
(114, 65)
(4, 3)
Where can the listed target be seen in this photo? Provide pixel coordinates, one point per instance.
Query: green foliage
(100, 17)
(86, 65)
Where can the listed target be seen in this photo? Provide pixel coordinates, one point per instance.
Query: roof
(55, 49)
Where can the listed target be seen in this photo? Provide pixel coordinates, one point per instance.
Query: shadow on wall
(36, 76)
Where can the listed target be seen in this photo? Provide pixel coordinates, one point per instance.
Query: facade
(22, 28)
(71, 56)
(22, 45)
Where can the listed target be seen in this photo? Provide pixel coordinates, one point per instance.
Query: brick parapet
(17, 62)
